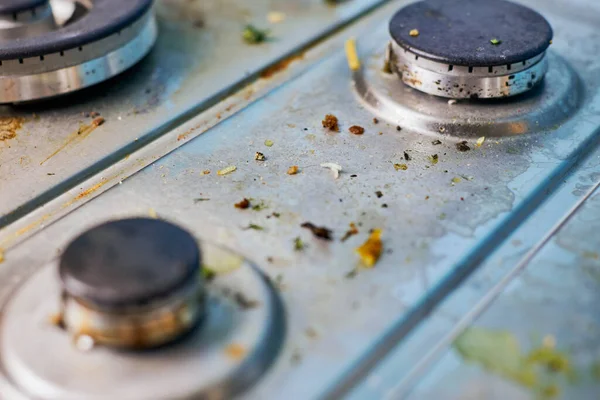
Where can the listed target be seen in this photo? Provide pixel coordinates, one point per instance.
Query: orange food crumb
(371, 250)
(235, 351)
(293, 170)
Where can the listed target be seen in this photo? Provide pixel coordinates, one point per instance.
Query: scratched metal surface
(199, 58)
(428, 241)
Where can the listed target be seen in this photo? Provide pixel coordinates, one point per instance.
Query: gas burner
(137, 285)
(132, 283)
(469, 48)
(40, 58)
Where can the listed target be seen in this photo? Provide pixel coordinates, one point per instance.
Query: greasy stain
(280, 66)
(9, 127)
(499, 352)
(80, 134)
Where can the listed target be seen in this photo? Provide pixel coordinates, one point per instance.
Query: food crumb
(254, 227)
(436, 142)
(371, 250)
(97, 122)
(452, 101)
(480, 141)
(352, 231)
(253, 35)
(456, 179)
(293, 170)
(268, 143)
(298, 244)
(352, 54)
(414, 32)
(375, 121)
(356, 130)
(335, 168)
(434, 159)
(398, 128)
(206, 172)
(379, 194)
(259, 156)
(275, 17)
(200, 199)
(244, 204)
(235, 351)
(495, 41)
(406, 156)
(331, 122)
(56, 319)
(227, 170)
(462, 146)
(320, 232)
(402, 167)
(152, 213)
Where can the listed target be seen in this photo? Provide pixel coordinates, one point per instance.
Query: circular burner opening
(469, 48)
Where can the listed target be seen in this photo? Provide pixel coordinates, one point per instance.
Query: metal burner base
(541, 109)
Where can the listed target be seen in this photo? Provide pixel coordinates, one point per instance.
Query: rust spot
(235, 351)
(280, 66)
(9, 127)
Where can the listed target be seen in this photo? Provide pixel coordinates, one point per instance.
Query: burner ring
(469, 48)
(111, 38)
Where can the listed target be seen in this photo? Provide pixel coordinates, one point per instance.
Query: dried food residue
(227, 170)
(81, 133)
(200, 199)
(375, 121)
(269, 143)
(500, 352)
(319, 231)
(352, 54)
(235, 351)
(293, 170)
(436, 142)
(406, 156)
(254, 35)
(434, 159)
(455, 180)
(335, 168)
(371, 250)
(275, 17)
(259, 156)
(331, 122)
(414, 32)
(242, 205)
(298, 244)
(462, 146)
(379, 194)
(480, 141)
(402, 167)
(350, 232)
(1, 256)
(9, 127)
(280, 66)
(398, 128)
(208, 274)
(356, 130)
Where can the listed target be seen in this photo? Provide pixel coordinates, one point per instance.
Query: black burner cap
(16, 6)
(129, 262)
(460, 32)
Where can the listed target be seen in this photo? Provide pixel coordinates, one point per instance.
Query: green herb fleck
(255, 227)
(268, 143)
(253, 35)
(298, 244)
(495, 41)
(455, 180)
(200, 199)
(208, 274)
(434, 159)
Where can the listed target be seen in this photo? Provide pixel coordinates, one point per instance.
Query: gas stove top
(193, 192)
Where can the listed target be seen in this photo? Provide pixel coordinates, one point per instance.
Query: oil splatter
(80, 134)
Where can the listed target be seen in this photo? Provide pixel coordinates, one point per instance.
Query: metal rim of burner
(25, 18)
(132, 283)
(110, 38)
(451, 51)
